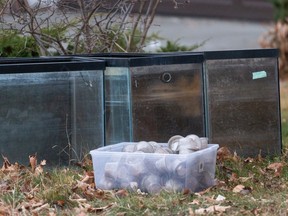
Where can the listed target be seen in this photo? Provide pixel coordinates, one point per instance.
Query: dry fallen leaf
(6, 162)
(89, 177)
(220, 183)
(43, 163)
(220, 198)
(261, 171)
(276, 167)
(121, 214)
(80, 185)
(256, 211)
(98, 210)
(201, 193)
(40, 208)
(233, 177)
(249, 160)
(186, 191)
(5, 210)
(235, 157)
(60, 203)
(121, 193)
(194, 202)
(100, 194)
(33, 161)
(259, 157)
(238, 188)
(242, 189)
(223, 153)
(39, 169)
(8, 167)
(212, 210)
(245, 179)
(191, 212)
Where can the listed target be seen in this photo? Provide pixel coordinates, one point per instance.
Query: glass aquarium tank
(153, 97)
(118, 114)
(52, 107)
(242, 101)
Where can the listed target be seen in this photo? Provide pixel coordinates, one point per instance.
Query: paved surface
(218, 34)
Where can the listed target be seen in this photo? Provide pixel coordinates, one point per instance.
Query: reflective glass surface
(117, 105)
(243, 104)
(58, 115)
(167, 100)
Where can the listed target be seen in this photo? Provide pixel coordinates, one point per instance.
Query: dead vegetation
(276, 37)
(245, 186)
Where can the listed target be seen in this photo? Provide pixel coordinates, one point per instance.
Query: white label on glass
(259, 75)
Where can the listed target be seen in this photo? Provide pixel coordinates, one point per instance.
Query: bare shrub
(81, 26)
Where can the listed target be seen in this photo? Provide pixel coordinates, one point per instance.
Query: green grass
(61, 191)
(285, 128)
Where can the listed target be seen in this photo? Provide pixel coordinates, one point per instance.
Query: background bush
(277, 36)
(14, 45)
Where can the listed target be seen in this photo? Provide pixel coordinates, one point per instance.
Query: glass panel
(117, 105)
(45, 112)
(167, 100)
(243, 105)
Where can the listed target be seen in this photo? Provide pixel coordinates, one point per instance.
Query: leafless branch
(149, 19)
(93, 26)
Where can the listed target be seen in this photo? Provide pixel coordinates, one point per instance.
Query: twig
(147, 25)
(135, 26)
(68, 139)
(5, 7)
(40, 208)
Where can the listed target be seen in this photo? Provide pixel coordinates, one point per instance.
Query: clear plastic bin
(153, 172)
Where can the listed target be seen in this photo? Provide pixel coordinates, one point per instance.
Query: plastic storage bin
(153, 172)
(50, 106)
(243, 101)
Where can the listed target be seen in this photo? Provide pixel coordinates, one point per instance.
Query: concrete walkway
(218, 34)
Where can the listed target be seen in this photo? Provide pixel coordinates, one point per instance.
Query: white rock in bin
(204, 142)
(128, 148)
(151, 183)
(173, 142)
(173, 185)
(175, 167)
(188, 144)
(195, 142)
(144, 146)
(110, 169)
(176, 144)
(185, 146)
(154, 144)
(161, 150)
